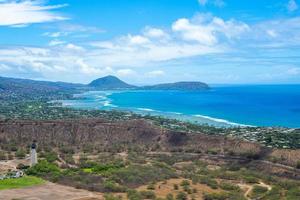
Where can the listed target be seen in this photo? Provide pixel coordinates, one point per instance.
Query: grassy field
(20, 182)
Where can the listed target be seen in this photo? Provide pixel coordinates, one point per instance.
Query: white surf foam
(218, 120)
(146, 109)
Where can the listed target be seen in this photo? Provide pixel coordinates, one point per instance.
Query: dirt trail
(249, 188)
(12, 164)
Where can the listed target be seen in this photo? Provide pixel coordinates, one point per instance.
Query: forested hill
(110, 83)
(13, 88)
(179, 86)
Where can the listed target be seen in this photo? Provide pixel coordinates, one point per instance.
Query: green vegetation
(21, 153)
(20, 182)
(181, 196)
(108, 173)
(258, 191)
(216, 196)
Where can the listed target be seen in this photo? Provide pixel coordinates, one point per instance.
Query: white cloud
(206, 31)
(155, 33)
(137, 39)
(125, 72)
(24, 12)
(55, 34)
(86, 68)
(74, 47)
(155, 73)
(56, 42)
(192, 32)
(292, 6)
(63, 29)
(276, 33)
(272, 33)
(122, 55)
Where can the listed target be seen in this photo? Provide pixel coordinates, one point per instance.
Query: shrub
(135, 175)
(215, 196)
(293, 194)
(147, 194)
(151, 186)
(20, 153)
(212, 151)
(67, 150)
(258, 191)
(175, 186)
(185, 183)
(134, 195)
(51, 156)
(111, 197)
(251, 179)
(208, 181)
(111, 186)
(43, 168)
(229, 186)
(2, 156)
(169, 197)
(69, 159)
(181, 196)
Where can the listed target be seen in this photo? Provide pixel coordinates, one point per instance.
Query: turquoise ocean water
(255, 105)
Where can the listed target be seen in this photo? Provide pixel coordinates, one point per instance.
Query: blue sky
(151, 41)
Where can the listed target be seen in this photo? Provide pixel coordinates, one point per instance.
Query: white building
(33, 155)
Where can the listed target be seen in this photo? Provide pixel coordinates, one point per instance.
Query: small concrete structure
(33, 154)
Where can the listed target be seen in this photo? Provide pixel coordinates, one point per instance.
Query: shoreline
(103, 102)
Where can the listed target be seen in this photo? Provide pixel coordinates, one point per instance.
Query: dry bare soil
(49, 191)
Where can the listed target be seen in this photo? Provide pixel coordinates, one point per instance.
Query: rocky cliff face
(103, 135)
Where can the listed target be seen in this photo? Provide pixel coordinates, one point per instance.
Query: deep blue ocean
(254, 105)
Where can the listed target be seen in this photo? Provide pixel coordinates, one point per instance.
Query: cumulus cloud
(203, 35)
(24, 12)
(155, 33)
(206, 31)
